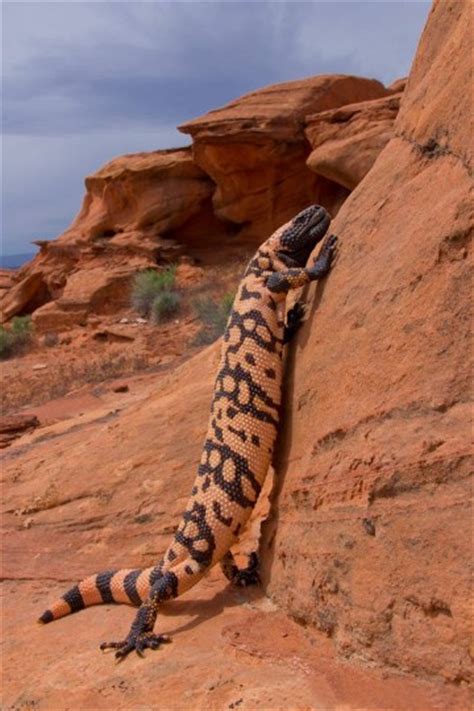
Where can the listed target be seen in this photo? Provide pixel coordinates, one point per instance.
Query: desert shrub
(22, 328)
(214, 315)
(13, 339)
(164, 306)
(6, 342)
(147, 285)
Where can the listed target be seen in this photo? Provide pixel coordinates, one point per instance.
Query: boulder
(26, 295)
(346, 141)
(99, 290)
(52, 318)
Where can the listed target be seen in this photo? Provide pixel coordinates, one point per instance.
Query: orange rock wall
(255, 150)
(347, 141)
(370, 540)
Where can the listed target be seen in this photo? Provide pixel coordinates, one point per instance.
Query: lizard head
(302, 233)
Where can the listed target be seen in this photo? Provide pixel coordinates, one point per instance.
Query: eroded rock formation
(130, 206)
(370, 541)
(347, 141)
(245, 174)
(255, 150)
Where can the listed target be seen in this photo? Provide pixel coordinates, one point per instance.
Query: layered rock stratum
(244, 175)
(366, 549)
(370, 539)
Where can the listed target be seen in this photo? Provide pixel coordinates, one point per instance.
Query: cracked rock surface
(370, 538)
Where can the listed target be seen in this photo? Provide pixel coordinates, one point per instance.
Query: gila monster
(238, 447)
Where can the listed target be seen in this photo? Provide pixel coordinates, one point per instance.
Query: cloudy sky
(86, 81)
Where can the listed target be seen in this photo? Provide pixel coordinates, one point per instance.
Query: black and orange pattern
(239, 444)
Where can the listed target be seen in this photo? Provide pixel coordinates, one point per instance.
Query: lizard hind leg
(241, 576)
(294, 319)
(141, 635)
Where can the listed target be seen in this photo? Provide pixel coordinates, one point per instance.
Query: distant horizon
(85, 82)
(14, 261)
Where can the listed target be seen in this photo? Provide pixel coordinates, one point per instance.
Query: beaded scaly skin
(239, 444)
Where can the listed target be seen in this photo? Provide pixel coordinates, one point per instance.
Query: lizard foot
(136, 641)
(249, 575)
(294, 319)
(323, 262)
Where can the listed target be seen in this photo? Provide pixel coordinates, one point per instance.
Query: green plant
(6, 342)
(164, 306)
(214, 316)
(148, 284)
(15, 337)
(22, 327)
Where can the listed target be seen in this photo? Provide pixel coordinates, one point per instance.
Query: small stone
(141, 320)
(39, 366)
(121, 388)
(124, 320)
(369, 526)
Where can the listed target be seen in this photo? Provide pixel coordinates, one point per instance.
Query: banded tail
(128, 586)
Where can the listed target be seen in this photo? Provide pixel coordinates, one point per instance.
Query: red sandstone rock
(254, 149)
(18, 423)
(370, 540)
(51, 317)
(6, 279)
(13, 426)
(398, 85)
(143, 208)
(106, 488)
(346, 141)
(129, 205)
(151, 193)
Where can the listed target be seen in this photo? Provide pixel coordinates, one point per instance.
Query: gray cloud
(86, 81)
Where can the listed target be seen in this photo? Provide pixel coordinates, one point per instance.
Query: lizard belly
(241, 435)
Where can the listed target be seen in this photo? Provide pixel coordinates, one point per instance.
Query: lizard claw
(136, 641)
(322, 263)
(294, 319)
(328, 248)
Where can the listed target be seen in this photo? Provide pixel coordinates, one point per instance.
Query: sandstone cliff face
(255, 150)
(370, 539)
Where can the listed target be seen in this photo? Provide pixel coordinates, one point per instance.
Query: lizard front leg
(286, 279)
